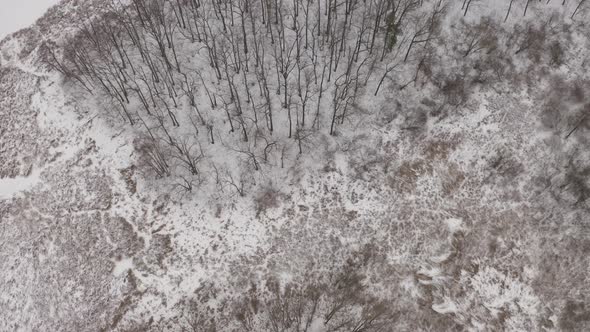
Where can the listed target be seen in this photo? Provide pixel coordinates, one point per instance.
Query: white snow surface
(9, 187)
(18, 14)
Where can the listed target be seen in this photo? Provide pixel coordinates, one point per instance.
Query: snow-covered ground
(453, 218)
(12, 186)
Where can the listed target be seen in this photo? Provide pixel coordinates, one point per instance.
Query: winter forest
(297, 165)
(259, 77)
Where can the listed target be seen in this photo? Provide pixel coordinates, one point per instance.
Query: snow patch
(454, 225)
(123, 266)
(447, 307)
(10, 187)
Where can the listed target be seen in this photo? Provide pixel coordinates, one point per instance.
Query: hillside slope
(450, 191)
